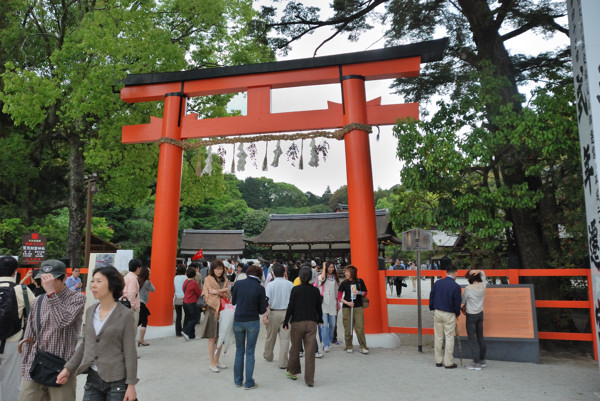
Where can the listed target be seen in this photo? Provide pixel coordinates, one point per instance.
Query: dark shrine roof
(431, 50)
(317, 228)
(212, 242)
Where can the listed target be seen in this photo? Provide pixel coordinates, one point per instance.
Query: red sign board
(198, 255)
(34, 249)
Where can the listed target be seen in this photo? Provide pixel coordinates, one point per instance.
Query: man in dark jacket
(445, 300)
(250, 300)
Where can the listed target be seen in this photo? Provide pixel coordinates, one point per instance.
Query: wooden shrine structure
(350, 70)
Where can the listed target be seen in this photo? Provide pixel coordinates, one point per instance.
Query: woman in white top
(472, 299)
(328, 283)
(178, 297)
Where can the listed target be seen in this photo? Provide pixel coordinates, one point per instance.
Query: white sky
(385, 164)
(332, 173)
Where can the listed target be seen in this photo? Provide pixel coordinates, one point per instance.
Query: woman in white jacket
(328, 283)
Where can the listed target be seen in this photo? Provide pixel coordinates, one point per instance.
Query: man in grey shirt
(278, 293)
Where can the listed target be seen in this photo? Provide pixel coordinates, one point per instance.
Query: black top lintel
(432, 50)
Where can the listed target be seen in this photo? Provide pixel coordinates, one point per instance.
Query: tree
(257, 192)
(255, 222)
(478, 63)
(65, 64)
(285, 194)
(339, 197)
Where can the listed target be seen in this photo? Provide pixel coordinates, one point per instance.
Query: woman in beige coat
(216, 286)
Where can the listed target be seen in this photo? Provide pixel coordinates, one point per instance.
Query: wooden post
(166, 213)
(361, 204)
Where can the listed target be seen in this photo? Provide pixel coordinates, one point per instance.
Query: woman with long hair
(351, 292)
(328, 283)
(216, 286)
(146, 287)
(110, 359)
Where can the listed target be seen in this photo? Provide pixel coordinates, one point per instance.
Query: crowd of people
(299, 303)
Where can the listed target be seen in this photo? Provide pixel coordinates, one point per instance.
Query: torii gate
(350, 70)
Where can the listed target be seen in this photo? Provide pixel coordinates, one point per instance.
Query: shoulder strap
(26, 300)
(185, 286)
(38, 320)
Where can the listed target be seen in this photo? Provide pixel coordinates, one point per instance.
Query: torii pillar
(350, 70)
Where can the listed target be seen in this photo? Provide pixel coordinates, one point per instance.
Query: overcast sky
(332, 173)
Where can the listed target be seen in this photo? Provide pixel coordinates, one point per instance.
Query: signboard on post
(417, 239)
(34, 249)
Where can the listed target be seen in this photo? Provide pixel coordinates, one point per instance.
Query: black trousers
(475, 334)
(192, 317)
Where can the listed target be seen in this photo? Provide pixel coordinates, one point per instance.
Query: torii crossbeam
(350, 70)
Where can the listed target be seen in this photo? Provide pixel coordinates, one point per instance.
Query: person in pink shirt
(132, 288)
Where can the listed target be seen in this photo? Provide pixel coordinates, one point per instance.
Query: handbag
(125, 302)
(46, 366)
(365, 300)
(224, 303)
(201, 303)
(178, 301)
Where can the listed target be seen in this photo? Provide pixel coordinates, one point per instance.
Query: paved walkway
(173, 369)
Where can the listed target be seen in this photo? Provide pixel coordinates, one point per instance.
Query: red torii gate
(350, 70)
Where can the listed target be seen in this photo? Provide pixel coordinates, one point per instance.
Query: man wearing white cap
(60, 312)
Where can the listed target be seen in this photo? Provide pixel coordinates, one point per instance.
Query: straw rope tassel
(265, 161)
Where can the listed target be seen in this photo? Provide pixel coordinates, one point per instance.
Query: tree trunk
(490, 47)
(77, 196)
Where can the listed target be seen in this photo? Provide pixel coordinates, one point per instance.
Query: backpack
(10, 323)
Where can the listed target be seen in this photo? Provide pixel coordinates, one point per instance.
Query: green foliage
(340, 196)
(452, 159)
(11, 235)
(255, 222)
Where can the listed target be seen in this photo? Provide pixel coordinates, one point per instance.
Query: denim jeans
(246, 334)
(327, 328)
(192, 316)
(96, 389)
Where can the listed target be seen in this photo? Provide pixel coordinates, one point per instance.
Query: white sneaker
(187, 338)
(364, 351)
(214, 369)
(483, 364)
(326, 348)
(473, 366)
(349, 350)
(318, 355)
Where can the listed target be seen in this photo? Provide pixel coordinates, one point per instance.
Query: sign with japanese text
(34, 249)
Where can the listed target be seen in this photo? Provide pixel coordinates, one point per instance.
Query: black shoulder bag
(46, 366)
